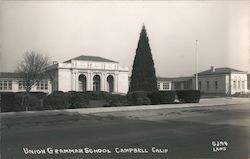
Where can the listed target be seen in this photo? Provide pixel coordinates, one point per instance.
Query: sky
(110, 29)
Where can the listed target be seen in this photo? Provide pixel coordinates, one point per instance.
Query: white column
(102, 76)
(71, 80)
(116, 82)
(105, 82)
(76, 81)
(90, 81)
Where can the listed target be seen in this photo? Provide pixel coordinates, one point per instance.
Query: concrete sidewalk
(203, 102)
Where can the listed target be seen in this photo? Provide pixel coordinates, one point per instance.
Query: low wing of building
(223, 80)
(214, 80)
(13, 82)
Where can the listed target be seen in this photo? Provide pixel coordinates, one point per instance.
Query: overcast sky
(110, 29)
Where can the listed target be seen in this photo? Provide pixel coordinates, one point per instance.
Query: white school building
(92, 73)
(222, 80)
(89, 73)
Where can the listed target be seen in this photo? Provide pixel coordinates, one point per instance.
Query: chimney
(212, 69)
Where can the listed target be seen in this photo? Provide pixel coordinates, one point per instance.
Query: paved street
(192, 132)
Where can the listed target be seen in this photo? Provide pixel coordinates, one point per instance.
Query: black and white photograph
(133, 79)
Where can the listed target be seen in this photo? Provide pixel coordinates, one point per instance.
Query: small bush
(78, 100)
(21, 100)
(188, 96)
(130, 97)
(167, 96)
(138, 98)
(143, 101)
(162, 97)
(55, 92)
(241, 94)
(39, 95)
(56, 101)
(117, 100)
(14, 102)
(97, 95)
(154, 97)
(140, 94)
(7, 101)
(31, 102)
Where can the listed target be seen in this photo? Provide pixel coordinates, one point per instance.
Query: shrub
(130, 97)
(162, 97)
(14, 102)
(56, 101)
(97, 95)
(154, 97)
(188, 96)
(143, 101)
(241, 94)
(138, 98)
(39, 95)
(100, 95)
(117, 100)
(167, 96)
(7, 101)
(30, 101)
(78, 100)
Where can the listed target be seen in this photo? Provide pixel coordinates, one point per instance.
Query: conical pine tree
(143, 74)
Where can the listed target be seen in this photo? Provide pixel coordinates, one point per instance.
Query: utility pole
(196, 65)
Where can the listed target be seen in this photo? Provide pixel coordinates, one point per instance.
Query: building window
(5, 85)
(42, 85)
(46, 85)
(158, 85)
(216, 85)
(243, 84)
(234, 84)
(165, 85)
(238, 84)
(10, 85)
(207, 85)
(177, 86)
(200, 85)
(21, 85)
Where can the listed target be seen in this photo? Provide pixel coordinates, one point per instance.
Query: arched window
(110, 83)
(82, 83)
(96, 83)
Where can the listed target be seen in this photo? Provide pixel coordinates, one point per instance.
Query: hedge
(7, 101)
(78, 100)
(188, 96)
(13, 102)
(39, 95)
(117, 100)
(162, 97)
(99, 95)
(29, 101)
(138, 98)
(56, 101)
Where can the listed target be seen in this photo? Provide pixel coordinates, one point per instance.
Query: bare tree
(32, 68)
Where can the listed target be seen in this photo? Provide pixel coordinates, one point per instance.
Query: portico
(94, 81)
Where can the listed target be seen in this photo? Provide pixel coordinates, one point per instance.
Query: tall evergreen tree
(143, 74)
